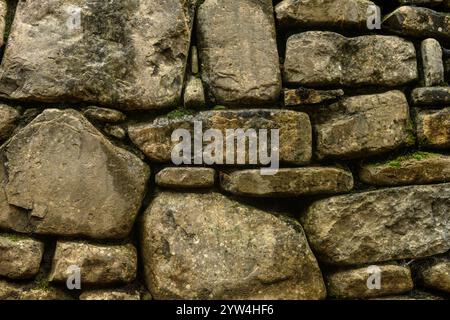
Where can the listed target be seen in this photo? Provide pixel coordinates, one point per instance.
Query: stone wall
(92, 91)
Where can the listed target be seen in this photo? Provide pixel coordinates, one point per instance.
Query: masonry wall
(93, 204)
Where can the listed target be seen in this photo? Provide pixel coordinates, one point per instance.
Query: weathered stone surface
(433, 66)
(99, 264)
(183, 177)
(436, 275)
(433, 128)
(431, 96)
(8, 119)
(288, 182)
(417, 168)
(115, 131)
(414, 295)
(71, 178)
(194, 94)
(363, 125)
(154, 139)
(353, 283)
(194, 61)
(304, 96)
(110, 295)
(104, 115)
(317, 58)
(3, 11)
(130, 55)
(430, 3)
(238, 52)
(418, 22)
(382, 225)
(206, 246)
(347, 14)
(20, 257)
(15, 291)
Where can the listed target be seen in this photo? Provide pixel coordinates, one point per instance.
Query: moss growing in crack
(220, 108)
(418, 155)
(411, 134)
(41, 282)
(179, 113)
(14, 237)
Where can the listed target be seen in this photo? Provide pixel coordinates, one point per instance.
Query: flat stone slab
(433, 128)
(290, 182)
(184, 177)
(322, 58)
(431, 96)
(207, 246)
(388, 224)
(108, 294)
(126, 54)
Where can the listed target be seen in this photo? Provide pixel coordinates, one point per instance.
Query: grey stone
(194, 61)
(431, 96)
(125, 54)
(206, 246)
(288, 182)
(8, 119)
(185, 177)
(318, 58)
(304, 96)
(238, 52)
(104, 115)
(433, 66)
(433, 128)
(194, 94)
(388, 224)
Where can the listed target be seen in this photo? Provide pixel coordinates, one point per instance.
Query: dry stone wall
(352, 95)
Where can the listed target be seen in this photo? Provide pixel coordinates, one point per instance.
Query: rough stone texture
(206, 246)
(433, 66)
(436, 275)
(154, 139)
(115, 131)
(176, 177)
(3, 11)
(352, 284)
(194, 94)
(418, 22)
(127, 54)
(239, 68)
(8, 119)
(104, 115)
(72, 179)
(365, 125)
(288, 182)
(431, 96)
(317, 58)
(348, 14)
(429, 168)
(433, 128)
(15, 291)
(20, 257)
(382, 225)
(99, 264)
(110, 295)
(304, 96)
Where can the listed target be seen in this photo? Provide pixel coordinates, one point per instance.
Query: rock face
(317, 58)
(104, 115)
(436, 275)
(433, 66)
(431, 96)
(20, 257)
(347, 14)
(382, 225)
(206, 246)
(110, 295)
(418, 22)
(186, 177)
(14, 291)
(99, 264)
(194, 94)
(363, 125)
(353, 283)
(419, 168)
(8, 119)
(433, 128)
(304, 96)
(288, 182)
(295, 133)
(239, 68)
(3, 11)
(72, 179)
(128, 54)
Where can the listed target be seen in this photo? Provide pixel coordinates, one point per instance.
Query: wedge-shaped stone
(20, 257)
(73, 181)
(346, 14)
(317, 58)
(99, 264)
(416, 168)
(206, 246)
(432, 63)
(431, 96)
(238, 52)
(382, 225)
(128, 54)
(183, 177)
(433, 128)
(288, 182)
(365, 125)
(353, 283)
(418, 22)
(295, 133)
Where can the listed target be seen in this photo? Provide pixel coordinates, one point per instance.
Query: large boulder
(238, 52)
(382, 225)
(71, 179)
(318, 58)
(206, 246)
(129, 54)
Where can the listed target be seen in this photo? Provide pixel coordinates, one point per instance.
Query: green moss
(220, 108)
(146, 296)
(411, 134)
(14, 237)
(417, 155)
(394, 164)
(41, 282)
(179, 113)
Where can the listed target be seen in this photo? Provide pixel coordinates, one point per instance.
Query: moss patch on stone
(418, 155)
(179, 113)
